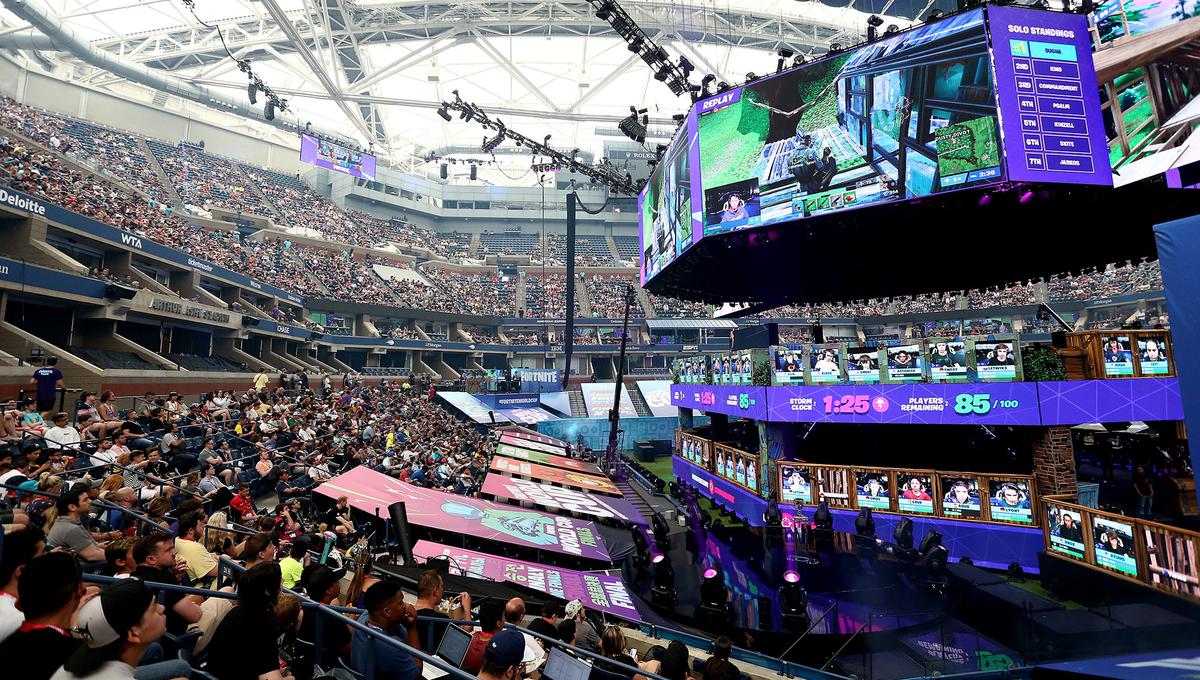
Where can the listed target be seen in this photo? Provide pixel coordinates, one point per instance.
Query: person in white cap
(118, 626)
(585, 634)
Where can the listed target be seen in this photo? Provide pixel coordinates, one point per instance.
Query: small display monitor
(948, 360)
(563, 666)
(995, 361)
(453, 647)
(1118, 357)
(1009, 501)
(788, 365)
(795, 484)
(1115, 549)
(825, 364)
(873, 489)
(960, 496)
(904, 363)
(1152, 357)
(862, 365)
(1065, 526)
(916, 492)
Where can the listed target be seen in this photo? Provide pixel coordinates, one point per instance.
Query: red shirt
(243, 505)
(473, 660)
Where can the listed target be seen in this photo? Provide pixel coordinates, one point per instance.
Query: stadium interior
(589, 340)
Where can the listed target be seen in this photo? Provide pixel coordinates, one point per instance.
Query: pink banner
(596, 591)
(561, 498)
(543, 473)
(372, 492)
(546, 459)
(540, 438)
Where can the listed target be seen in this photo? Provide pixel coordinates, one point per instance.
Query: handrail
(810, 629)
(104, 503)
(846, 644)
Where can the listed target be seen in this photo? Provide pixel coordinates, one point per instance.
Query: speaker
(474, 170)
(445, 171)
(400, 523)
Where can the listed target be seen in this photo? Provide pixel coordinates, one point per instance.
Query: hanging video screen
(907, 116)
(948, 360)
(666, 208)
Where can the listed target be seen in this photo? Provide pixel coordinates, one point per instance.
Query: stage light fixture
(933, 554)
(634, 125)
(686, 66)
(1026, 197)
(662, 74)
(604, 11)
(903, 533)
(635, 44)
(723, 86)
(793, 601)
(864, 524)
(874, 20)
(822, 518)
(661, 530)
(834, 47)
(662, 590)
(892, 29)
(252, 92)
(1016, 573)
(269, 110)
(444, 114)
(791, 576)
(713, 592)
(985, 200)
(751, 76)
(656, 557)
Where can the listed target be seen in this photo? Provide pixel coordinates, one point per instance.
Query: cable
(588, 210)
(274, 101)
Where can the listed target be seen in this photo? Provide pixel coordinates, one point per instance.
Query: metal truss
(342, 26)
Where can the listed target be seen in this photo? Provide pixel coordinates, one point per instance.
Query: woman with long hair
(246, 643)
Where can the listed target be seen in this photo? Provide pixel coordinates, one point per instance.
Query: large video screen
(665, 219)
(325, 154)
(903, 117)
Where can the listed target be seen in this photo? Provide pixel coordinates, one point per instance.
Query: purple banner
(919, 403)
(372, 492)
(1106, 401)
(558, 498)
(596, 591)
(741, 502)
(1043, 63)
(733, 400)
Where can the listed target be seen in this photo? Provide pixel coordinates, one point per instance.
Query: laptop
(563, 666)
(453, 647)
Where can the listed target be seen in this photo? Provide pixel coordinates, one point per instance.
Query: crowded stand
(202, 179)
(486, 294)
(665, 307)
(590, 251)
(510, 243)
(547, 298)
(345, 277)
(299, 207)
(607, 296)
(1113, 280)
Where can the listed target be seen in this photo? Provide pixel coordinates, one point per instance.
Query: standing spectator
(386, 613)
(1143, 485)
(48, 380)
(50, 592)
(245, 645)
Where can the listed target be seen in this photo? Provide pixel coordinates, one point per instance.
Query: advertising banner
(471, 407)
(598, 397)
(533, 445)
(559, 498)
(539, 380)
(543, 473)
(657, 395)
(371, 492)
(924, 403)
(1046, 86)
(596, 591)
(540, 438)
(543, 458)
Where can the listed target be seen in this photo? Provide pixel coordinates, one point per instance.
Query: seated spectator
(244, 646)
(584, 632)
(612, 646)
(430, 592)
(62, 436)
(20, 547)
(242, 507)
(68, 530)
(722, 647)
(122, 622)
(514, 614)
(323, 585)
(566, 631)
(293, 565)
(257, 549)
(50, 592)
(506, 657)
(386, 613)
(491, 621)
(547, 623)
(201, 564)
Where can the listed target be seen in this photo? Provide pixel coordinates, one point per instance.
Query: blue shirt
(390, 663)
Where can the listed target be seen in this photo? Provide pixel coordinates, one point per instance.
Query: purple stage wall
(989, 545)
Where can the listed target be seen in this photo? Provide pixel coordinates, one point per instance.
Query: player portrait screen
(904, 117)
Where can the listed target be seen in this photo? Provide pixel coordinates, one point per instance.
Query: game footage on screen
(666, 219)
(907, 116)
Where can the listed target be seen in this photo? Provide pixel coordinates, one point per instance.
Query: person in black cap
(50, 589)
(505, 656)
(117, 627)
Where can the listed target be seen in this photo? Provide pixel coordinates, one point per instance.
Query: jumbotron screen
(326, 154)
(914, 114)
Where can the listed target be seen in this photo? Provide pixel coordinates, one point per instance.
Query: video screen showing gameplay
(666, 206)
(906, 116)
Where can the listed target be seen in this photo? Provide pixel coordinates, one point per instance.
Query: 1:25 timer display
(850, 403)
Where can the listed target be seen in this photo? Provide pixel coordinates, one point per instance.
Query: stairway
(519, 296)
(581, 297)
(476, 244)
(630, 493)
(578, 407)
(612, 248)
(158, 170)
(644, 300)
(257, 191)
(639, 403)
(291, 252)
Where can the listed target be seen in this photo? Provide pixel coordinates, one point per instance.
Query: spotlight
(661, 530)
(678, 117)
(635, 44)
(793, 602)
(663, 589)
(656, 557)
(634, 127)
(686, 66)
(751, 76)
(705, 84)
(791, 576)
(723, 86)
(935, 15)
(604, 12)
(444, 114)
(713, 593)
(1016, 573)
(985, 200)
(822, 518)
(252, 92)
(800, 60)
(661, 74)
(903, 533)
(785, 53)
(864, 524)
(835, 47)
(874, 20)
(269, 110)
(892, 29)
(1026, 197)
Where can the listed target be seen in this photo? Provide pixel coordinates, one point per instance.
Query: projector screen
(325, 154)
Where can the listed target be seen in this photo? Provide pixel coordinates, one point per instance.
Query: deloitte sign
(22, 202)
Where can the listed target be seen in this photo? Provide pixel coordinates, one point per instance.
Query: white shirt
(109, 670)
(104, 457)
(11, 618)
(65, 437)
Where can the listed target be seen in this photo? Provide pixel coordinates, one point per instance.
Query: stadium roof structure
(375, 71)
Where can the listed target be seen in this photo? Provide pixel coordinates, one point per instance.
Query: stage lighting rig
(784, 55)
(634, 125)
(903, 533)
(662, 591)
(598, 174)
(675, 76)
(873, 24)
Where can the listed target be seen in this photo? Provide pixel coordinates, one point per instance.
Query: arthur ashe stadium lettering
(22, 202)
(194, 312)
